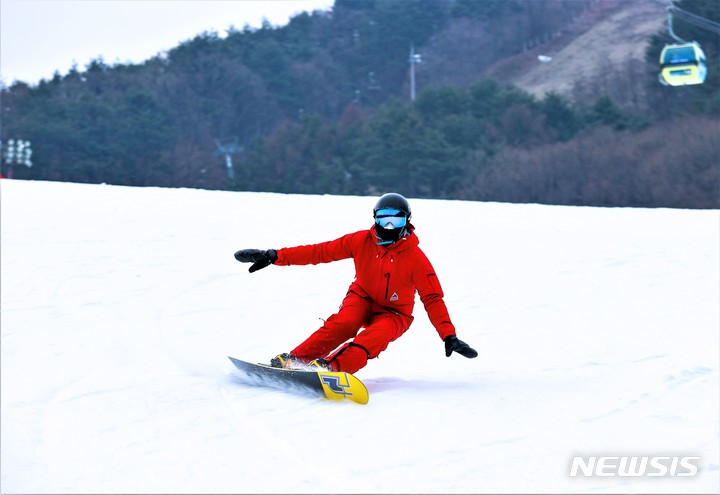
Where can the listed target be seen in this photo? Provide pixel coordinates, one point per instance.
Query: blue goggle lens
(390, 218)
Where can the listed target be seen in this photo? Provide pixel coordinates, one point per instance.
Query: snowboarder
(389, 269)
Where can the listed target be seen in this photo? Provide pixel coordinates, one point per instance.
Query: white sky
(39, 37)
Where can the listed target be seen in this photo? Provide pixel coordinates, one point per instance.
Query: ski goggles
(390, 218)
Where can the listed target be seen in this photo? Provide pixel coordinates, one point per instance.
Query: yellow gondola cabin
(682, 64)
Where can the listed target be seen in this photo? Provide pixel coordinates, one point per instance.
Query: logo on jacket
(394, 297)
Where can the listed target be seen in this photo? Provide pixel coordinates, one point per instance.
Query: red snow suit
(381, 298)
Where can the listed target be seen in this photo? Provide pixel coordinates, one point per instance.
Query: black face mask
(388, 236)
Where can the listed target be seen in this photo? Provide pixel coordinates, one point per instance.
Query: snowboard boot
(285, 360)
(321, 364)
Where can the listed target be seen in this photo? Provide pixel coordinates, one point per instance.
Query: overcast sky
(39, 37)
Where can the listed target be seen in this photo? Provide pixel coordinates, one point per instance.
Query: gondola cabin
(682, 64)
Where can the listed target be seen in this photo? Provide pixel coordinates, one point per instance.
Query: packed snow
(597, 331)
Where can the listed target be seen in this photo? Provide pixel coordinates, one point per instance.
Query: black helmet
(392, 217)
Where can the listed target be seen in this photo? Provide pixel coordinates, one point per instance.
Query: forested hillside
(322, 106)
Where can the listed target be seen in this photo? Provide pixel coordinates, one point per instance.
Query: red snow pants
(382, 326)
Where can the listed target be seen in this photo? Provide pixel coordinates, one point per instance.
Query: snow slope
(597, 331)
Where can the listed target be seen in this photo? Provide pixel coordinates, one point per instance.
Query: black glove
(452, 343)
(258, 257)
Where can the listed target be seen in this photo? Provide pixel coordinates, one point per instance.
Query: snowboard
(334, 385)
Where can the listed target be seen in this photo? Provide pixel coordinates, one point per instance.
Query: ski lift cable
(697, 20)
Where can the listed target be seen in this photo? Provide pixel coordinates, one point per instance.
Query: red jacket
(388, 275)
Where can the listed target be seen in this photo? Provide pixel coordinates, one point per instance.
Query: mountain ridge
(584, 51)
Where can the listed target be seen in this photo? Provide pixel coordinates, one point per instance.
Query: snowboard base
(333, 385)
